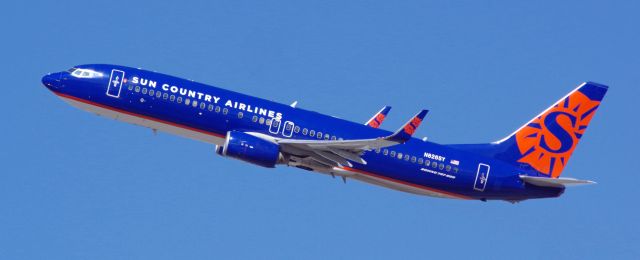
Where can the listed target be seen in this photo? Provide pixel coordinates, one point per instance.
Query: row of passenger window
(420, 161)
(211, 107)
(179, 99)
(196, 104)
(306, 132)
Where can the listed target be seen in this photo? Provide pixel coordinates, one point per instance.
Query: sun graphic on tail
(547, 142)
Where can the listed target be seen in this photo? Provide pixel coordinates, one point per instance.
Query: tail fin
(547, 141)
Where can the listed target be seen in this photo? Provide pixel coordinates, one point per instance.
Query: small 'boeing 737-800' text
(524, 165)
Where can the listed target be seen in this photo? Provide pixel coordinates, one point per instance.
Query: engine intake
(251, 149)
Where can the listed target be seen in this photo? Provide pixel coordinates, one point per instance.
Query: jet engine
(251, 149)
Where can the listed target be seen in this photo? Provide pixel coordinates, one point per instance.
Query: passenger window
(225, 111)
(261, 120)
(441, 166)
(326, 137)
(217, 109)
(393, 154)
(312, 133)
(172, 98)
(319, 135)
(187, 101)
(400, 156)
(455, 169)
(210, 108)
(144, 90)
(194, 103)
(413, 159)
(304, 131)
(254, 119)
(448, 168)
(151, 92)
(296, 129)
(202, 105)
(268, 122)
(158, 94)
(130, 87)
(434, 165)
(333, 137)
(378, 150)
(179, 100)
(385, 151)
(137, 89)
(406, 157)
(420, 160)
(165, 96)
(240, 115)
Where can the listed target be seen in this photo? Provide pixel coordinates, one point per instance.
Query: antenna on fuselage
(294, 104)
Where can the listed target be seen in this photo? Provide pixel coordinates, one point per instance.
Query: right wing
(334, 153)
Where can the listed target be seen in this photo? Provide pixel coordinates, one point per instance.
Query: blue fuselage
(209, 112)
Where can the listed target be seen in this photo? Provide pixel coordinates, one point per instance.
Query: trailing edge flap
(555, 183)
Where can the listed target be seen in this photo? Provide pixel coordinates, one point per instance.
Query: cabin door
(482, 177)
(115, 83)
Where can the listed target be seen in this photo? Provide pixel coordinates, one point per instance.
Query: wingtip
(405, 133)
(385, 110)
(422, 114)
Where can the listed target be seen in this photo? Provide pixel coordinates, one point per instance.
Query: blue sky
(77, 186)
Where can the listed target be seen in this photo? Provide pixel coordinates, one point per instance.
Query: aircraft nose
(51, 81)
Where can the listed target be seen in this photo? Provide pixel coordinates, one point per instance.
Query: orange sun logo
(547, 142)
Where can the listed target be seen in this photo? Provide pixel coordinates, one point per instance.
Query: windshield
(84, 73)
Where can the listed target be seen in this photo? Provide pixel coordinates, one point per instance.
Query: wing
(379, 117)
(332, 153)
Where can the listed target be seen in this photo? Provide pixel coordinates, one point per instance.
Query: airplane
(526, 164)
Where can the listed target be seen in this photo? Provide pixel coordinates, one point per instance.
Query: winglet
(405, 132)
(377, 119)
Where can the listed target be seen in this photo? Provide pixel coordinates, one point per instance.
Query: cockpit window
(84, 73)
(71, 70)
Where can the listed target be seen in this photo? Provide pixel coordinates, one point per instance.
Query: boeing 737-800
(524, 165)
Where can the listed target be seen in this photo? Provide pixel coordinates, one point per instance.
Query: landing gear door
(115, 83)
(482, 177)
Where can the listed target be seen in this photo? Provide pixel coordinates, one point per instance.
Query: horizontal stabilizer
(555, 183)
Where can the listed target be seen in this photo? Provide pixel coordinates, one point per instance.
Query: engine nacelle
(250, 149)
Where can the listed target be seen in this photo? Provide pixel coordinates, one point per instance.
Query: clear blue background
(77, 186)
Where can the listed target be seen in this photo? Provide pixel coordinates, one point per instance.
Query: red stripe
(409, 184)
(222, 136)
(140, 116)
